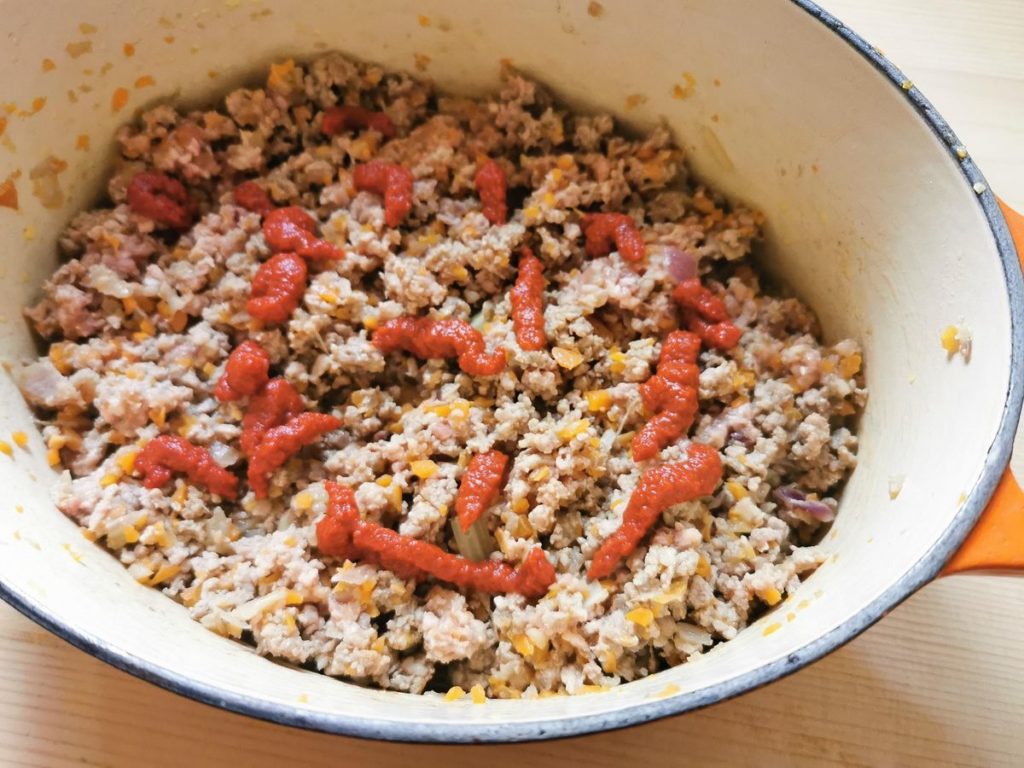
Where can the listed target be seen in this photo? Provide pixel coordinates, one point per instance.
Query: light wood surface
(940, 681)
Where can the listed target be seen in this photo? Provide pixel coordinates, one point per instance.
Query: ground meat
(413, 204)
(450, 631)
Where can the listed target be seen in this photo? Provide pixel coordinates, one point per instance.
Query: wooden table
(939, 682)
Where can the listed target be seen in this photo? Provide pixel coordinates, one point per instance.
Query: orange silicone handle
(997, 541)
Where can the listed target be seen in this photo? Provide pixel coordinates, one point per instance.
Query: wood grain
(940, 681)
(919, 688)
(967, 58)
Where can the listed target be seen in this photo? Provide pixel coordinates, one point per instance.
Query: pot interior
(871, 222)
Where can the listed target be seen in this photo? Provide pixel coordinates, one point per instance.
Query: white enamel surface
(870, 221)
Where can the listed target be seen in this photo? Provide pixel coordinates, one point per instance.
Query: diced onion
(795, 499)
(476, 543)
(247, 611)
(680, 264)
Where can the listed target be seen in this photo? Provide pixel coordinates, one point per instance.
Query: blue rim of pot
(919, 574)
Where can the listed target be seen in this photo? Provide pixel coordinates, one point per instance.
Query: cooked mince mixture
(436, 394)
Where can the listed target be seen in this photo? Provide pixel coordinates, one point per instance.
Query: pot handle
(997, 541)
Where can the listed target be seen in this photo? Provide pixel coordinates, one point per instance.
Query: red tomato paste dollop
(480, 486)
(277, 288)
(272, 406)
(245, 373)
(492, 186)
(166, 454)
(428, 339)
(706, 315)
(292, 229)
(602, 231)
(392, 182)
(342, 533)
(679, 345)
(671, 394)
(160, 198)
(659, 488)
(722, 335)
(279, 444)
(692, 295)
(527, 298)
(344, 118)
(253, 197)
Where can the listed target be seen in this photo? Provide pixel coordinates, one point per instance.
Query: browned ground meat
(141, 322)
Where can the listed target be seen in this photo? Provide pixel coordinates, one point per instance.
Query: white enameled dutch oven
(877, 217)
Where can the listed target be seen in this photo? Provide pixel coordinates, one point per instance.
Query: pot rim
(919, 574)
